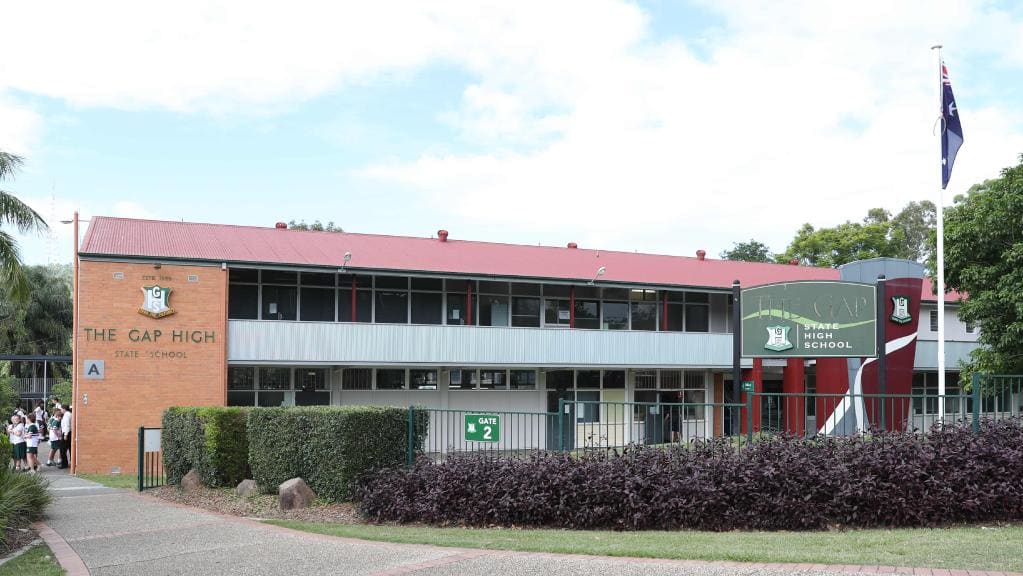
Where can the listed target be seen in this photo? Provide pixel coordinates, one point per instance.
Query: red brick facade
(149, 363)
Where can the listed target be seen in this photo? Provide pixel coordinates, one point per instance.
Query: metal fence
(150, 466)
(34, 387)
(492, 432)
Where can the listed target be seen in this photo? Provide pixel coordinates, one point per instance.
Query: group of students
(26, 431)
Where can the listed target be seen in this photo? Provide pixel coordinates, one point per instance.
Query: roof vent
(573, 245)
(701, 254)
(281, 226)
(442, 235)
(794, 262)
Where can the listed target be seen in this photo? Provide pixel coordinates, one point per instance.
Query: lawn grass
(127, 481)
(976, 548)
(38, 561)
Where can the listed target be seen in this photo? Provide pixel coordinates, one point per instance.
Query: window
(273, 386)
(614, 379)
(390, 379)
(279, 302)
(493, 310)
(616, 316)
(457, 298)
(587, 314)
(671, 379)
(363, 305)
(317, 304)
(311, 386)
(971, 327)
(357, 379)
(587, 379)
(526, 312)
(694, 395)
(427, 307)
(560, 379)
(934, 320)
(391, 307)
(317, 279)
(243, 301)
(697, 312)
(644, 316)
(493, 380)
(645, 379)
(676, 311)
(523, 379)
(521, 289)
(556, 313)
(463, 380)
(422, 379)
(241, 386)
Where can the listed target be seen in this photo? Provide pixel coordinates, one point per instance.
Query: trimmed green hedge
(328, 446)
(213, 440)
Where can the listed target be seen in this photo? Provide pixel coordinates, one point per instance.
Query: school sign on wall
(815, 319)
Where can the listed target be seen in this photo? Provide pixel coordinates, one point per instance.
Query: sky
(659, 126)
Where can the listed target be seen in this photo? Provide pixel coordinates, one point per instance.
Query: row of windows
(933, 317)
(277, 386)
(318, 297)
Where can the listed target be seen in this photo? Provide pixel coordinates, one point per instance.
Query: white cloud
(19, 126)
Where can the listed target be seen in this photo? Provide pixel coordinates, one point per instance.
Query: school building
(182, 313)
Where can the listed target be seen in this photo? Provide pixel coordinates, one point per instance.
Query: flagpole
(940, 215)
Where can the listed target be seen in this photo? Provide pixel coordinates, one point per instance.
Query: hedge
(948, 476)
(328, 446)
(212, 440)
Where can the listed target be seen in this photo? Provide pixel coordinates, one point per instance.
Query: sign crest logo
(778, 338)
(155, 303)
(900, 310)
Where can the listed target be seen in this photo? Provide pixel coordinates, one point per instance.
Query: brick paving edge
(69, 560)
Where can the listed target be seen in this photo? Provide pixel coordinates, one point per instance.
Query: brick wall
(185, 363)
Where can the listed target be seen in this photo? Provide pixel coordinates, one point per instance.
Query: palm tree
(25, 219)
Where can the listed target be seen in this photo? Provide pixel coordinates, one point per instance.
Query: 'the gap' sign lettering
(482, 428)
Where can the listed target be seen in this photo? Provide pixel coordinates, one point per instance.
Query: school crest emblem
(900, 310)
(155, 302)
(778, 338)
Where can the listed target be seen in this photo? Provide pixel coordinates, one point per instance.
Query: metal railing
(498, 433)
(151, 473)
(593, 425)
(34, 386)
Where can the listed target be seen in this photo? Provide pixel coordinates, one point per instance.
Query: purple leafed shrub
(948, 476)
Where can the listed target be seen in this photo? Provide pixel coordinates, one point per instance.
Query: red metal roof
(127, 237)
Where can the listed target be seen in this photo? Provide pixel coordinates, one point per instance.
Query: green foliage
(984, 258)
(23, 498)
(879, 235)
(8, 396)
(752, 251)
(328, 447)
(213, 440)
(62, 390)
(316, 225)
(14, 212)
(41, 323)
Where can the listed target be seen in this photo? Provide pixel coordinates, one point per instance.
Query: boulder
(191, 481)
(246, 488)
(295, 493)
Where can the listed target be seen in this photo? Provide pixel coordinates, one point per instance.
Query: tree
(751, 251)
(911, 230)
(41, 324)
(984, 259)
(25, 219)
(316, 225)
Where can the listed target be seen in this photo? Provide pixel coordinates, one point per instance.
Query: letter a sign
(93, 370)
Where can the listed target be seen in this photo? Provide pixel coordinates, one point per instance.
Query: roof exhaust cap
(442, 235)
(281, 226)
(794, 262)
(573, 245)
(701, 254)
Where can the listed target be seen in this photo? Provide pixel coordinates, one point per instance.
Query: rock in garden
(246, 488)
(191, 481)
(295, 493)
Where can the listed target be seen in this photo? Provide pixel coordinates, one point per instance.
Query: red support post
(794, 406)
(756, 374)
(354, 308)
(571, 306)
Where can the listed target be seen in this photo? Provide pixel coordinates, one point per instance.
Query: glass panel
(269, 399)
(643, 295)
(523, 379)
(390, 379)
(280, 277)
(694, 380)
(431, 284)
(671, 379)
(526, 312)
(493, 310)
(457, 312)
(363, 305)
(587, 314)
(556, 312)
(457, 286)
(463, 379)
(556, 290)
(318, 304)
(392, 282)
(279, 302)
(487, 287)
(243, 301)
(560, 379)
(523, 289)
(357, 379)
(422, 379)
(345, 281)
(243, 275)
(587, 379)
(675, 317)
(392, 307)
(312, 398)
(426, 307)
(700, 297)
(676, 296)
(587, 292)
(241, 398)
(697, 318)
(241, 378)
(271, 378)
(616, 316)
(645, 379)
(317, 279)
(493, 380)
(614, 378)
(644, 316)
(588, 413)
(616, 294)
(310, 379)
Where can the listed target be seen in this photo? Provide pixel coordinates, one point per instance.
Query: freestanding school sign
(815, 319)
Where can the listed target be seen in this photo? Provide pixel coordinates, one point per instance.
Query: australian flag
(952, 130)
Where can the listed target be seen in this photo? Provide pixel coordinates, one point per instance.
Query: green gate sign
(482, 428)
(811, 319)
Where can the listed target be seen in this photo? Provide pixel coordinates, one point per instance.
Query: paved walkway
(105, 532)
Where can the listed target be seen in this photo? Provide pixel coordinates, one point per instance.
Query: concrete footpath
(105, 532)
